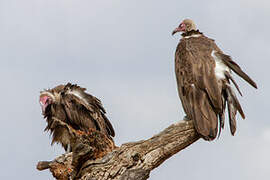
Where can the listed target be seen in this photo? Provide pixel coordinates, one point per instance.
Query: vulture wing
(85, 111)
(233, 66)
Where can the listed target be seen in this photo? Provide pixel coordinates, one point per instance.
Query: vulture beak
(176, 30)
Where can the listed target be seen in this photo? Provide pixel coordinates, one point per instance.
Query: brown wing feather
(233, 107)
(85, 111)
(229, 77)
(232, 65)
(205, 119)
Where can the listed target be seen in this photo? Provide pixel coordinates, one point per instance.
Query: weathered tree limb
(130, 161)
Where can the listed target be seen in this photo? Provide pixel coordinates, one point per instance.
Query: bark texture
(130, 161)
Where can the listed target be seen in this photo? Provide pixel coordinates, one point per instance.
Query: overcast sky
(123, 53)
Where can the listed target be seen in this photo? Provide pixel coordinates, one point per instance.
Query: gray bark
(130, 161)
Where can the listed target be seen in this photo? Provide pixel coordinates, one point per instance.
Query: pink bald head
(44, 102)
(185, 26)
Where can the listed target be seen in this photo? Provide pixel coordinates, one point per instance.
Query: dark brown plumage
(70, 105)
(203, 74)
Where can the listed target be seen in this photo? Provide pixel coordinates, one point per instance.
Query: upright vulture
(204, 76)
(72, 106)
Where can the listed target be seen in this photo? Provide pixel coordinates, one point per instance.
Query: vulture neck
(192, 33)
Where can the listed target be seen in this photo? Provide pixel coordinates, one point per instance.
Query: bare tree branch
(130, 161)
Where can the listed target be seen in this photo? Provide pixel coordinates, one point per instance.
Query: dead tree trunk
(130, 161)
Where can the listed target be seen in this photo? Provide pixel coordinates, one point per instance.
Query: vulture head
(49, 97)
(185, 26)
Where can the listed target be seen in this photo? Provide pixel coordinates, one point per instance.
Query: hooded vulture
(70, 105)
(204, 77)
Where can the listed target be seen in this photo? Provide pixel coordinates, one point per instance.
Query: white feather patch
(220, 68)
(78, 95)
(194, 35)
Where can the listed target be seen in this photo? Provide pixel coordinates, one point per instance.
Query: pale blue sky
(123, 53)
